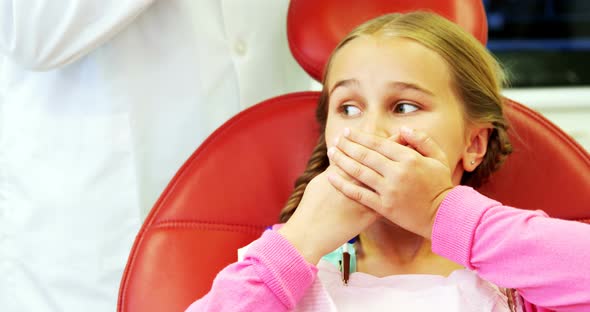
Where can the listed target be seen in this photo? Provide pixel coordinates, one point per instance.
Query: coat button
(240, 47)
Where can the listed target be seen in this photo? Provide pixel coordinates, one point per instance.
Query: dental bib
(462, 291)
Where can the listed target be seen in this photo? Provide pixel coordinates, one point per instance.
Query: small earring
(472, 162)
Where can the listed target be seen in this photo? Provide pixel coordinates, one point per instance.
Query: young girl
(410, 109)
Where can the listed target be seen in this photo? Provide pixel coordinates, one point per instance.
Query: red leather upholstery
(314, 28)
(235, 184)
(221, 199)
(249, 162)
(547, 170)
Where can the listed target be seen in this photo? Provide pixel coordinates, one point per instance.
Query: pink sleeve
(272, 277)
(546, 259)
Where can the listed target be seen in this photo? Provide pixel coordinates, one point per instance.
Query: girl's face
(377, 85)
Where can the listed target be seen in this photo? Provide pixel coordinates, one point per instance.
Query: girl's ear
(476, 148)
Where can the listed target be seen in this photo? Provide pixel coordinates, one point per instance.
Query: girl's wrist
(303, 246)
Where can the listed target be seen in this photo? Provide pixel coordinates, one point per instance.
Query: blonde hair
(477, 79)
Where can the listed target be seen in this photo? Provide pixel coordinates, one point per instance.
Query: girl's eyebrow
(345, 83)
(394, 84)
(413, 86)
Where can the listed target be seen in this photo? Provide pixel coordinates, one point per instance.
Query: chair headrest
(315, 28)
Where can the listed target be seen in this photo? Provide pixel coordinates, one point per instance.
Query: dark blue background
(541, 42)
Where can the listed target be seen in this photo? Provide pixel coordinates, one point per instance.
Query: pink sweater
(547, 260)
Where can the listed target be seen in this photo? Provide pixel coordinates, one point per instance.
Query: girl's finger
(364, 155)
(386, 147)
(355, 192)
(354, 169)
(423, 143)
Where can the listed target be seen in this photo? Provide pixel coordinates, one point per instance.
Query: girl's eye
(404, 108)
(349, 110)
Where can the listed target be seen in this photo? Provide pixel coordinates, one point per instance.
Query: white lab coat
(100, 103)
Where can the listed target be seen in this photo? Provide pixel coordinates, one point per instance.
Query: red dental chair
(235, 184)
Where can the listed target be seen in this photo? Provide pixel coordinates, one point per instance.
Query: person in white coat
(100, 103)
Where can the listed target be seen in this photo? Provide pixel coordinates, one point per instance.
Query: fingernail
(332, 177)
(336, 139)
(406, 130)
(346, 132)
(331, 151)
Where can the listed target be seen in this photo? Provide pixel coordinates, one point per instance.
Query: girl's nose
(377, 124)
